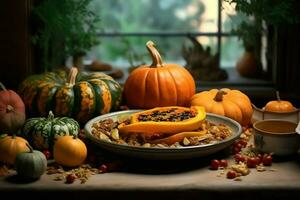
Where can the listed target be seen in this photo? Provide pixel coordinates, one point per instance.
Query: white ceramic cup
(276, 136)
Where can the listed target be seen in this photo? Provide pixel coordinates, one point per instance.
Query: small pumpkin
(12, 110)
(10, 146)
(158, 84)
(31, 165)
(41, 132)
(279, 105)
(79, 95)
(165, 120)
(231, 103)
(69, 151)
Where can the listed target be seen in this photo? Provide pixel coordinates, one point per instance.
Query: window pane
(231, 51)
(209, 19)
(124, 52)
(157, 15)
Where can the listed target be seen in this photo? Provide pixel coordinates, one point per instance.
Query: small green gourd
(31, 165)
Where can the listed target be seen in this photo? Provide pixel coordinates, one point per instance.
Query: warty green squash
(41, 132)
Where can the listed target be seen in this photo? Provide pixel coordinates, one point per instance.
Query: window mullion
(219, 33)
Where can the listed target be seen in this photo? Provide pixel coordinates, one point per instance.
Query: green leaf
(65, 27)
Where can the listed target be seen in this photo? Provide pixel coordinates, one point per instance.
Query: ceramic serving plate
(166, 153)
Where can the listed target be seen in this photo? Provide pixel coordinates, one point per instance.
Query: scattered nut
(104, 137)
(147, 145)
(115, 134)
(81, 173)
(186, 141)
(107, 130)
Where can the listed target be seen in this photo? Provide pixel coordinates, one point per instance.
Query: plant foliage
(271, 12)
(66, 27)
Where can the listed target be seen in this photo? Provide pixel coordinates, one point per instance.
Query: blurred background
(249, 45)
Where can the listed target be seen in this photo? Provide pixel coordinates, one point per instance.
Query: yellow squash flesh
(166, 127)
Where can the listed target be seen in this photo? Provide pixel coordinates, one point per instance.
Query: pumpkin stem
(9, 108)
(219, 96)
(156, 58)
(50, 116)
(72, 76)
(30, 147)
(278, 96)
(75, 137)
(2, 86)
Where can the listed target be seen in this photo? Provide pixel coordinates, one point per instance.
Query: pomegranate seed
(231, 174)
(70, 178)
(223, 163)
(103, 168)
(214, 164)
(47, 154)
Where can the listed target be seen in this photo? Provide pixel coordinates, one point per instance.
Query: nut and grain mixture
(107, 130)
(82, 173)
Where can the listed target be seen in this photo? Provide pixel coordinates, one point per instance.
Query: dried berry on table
(239, 158)
(231, 174)
(252, 162)
(47, 154)
(223, 163)
(214, 164)
(70, 178)
(245, 157)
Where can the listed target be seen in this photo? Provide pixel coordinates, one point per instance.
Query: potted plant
(258, 18)
(64, 28)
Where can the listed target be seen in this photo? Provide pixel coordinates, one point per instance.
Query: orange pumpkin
(10, 146)
(231, 103)
(158, 84)
(279, 105)
(69, 151)
(12, 110)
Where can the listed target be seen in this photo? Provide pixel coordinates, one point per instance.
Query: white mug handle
(298, 128)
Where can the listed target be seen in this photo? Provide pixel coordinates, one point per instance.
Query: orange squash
(158, 84)
(179, 137)
(10, 146)
(170, 120)
(12, 110)
(279, 105)
(231, 103)
(69, 151)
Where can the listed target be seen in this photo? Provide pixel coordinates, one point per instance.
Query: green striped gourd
(79, 95)
(41, 132)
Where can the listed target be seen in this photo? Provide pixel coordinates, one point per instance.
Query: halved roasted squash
(167, 120)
